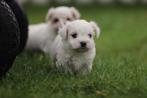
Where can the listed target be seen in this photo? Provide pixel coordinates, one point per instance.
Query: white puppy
(74, 50)
(41, 36)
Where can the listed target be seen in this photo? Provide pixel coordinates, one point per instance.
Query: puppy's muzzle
(83, 47)
(83, 44)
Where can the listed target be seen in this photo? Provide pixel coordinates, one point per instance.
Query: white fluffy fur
(41, 36)
(67, 54)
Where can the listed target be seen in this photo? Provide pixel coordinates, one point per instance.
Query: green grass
(119, 69)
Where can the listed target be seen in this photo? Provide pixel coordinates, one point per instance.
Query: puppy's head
(79, 34)
(60, 15)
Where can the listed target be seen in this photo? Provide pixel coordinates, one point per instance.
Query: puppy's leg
(45, 50)
(84, 69)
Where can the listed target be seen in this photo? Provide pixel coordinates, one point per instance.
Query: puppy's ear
(63, 32)
(96, 29)
(75, 13)
(49, 13)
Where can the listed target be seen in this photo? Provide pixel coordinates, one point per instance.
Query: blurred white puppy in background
(73, 50)
(41, 36)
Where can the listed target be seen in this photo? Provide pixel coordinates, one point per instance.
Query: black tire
(22, 22)
(9, 38)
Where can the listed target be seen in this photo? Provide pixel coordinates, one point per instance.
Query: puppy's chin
(80, 49)
(55, 29)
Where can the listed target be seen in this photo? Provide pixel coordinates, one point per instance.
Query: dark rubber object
(9, 38)
(22, 22)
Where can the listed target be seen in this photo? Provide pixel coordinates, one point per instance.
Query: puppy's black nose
(83, 44)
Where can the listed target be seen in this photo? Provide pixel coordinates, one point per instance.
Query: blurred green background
(119, 69)
(87, 2)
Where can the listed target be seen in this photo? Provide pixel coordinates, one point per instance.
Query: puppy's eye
(90, 35)
(68, 19)
(74, 35)
(55, 20)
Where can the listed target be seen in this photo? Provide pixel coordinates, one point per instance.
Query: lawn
(119, 69)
